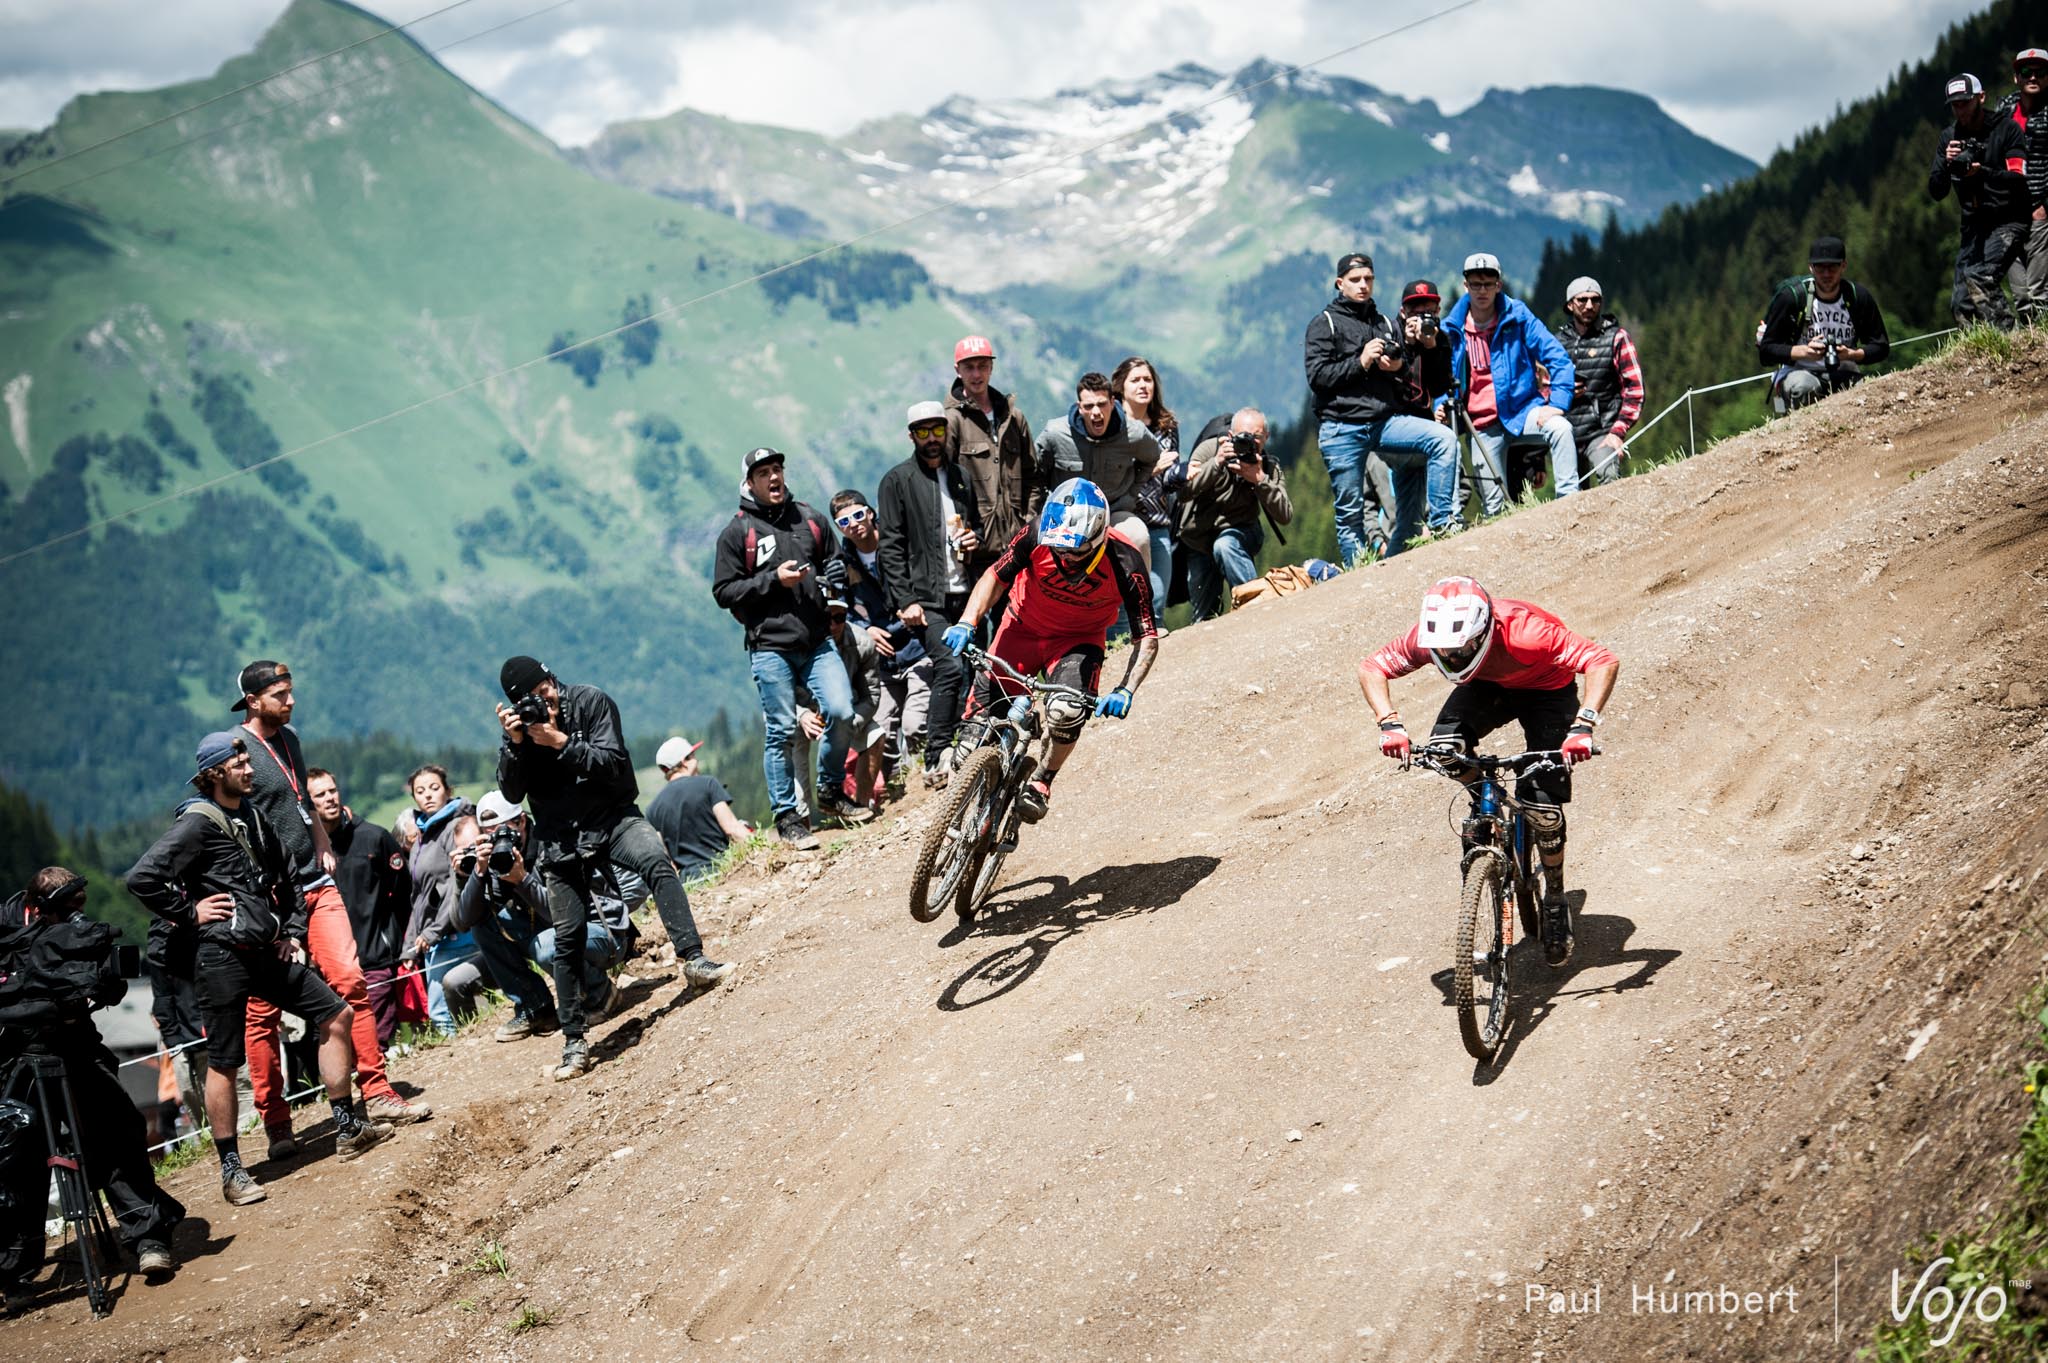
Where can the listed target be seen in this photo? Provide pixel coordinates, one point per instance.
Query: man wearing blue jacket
(1495, 348)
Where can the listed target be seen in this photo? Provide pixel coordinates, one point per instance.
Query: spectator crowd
(271, 896)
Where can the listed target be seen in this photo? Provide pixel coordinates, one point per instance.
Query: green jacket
(1218, 500)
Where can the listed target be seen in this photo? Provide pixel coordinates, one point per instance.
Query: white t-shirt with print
(956, 571)
(1825, 322)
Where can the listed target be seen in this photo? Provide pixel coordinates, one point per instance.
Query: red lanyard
(282, 765)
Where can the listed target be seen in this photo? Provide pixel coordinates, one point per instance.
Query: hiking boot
(240, 1187)
(575, 1060)
(368, 1135)
(794, 832)
(596, 1009)
(1557, 930)
(283, 1145)
(153, 1259)
(518, 1029)
(846, 811)
(1033, 799)
(393, 1110)
(703, 972)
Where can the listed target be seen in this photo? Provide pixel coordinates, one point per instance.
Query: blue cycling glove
(958, 637)
(1116, 704)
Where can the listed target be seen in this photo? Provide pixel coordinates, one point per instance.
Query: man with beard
(930, 533)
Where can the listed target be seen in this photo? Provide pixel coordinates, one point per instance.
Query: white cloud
(1748, 73)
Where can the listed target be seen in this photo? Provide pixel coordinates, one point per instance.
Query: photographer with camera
(564, 749)
(502, 901)
(1357, 362)
(1233, 481)
(1820, 329)
(775, 561)
(56, 967)
(1983, 161)
(222, 868)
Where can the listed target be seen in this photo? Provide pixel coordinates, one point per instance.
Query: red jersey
(1532, 651)
(1045, 601)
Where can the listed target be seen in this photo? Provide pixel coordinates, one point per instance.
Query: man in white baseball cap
(1496, 346)
(693, 811)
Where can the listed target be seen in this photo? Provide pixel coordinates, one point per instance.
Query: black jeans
(949, 677)
(633, 845)
(1477, 708)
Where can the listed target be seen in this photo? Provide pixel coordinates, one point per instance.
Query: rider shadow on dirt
(1045, 917)
(1599, 940)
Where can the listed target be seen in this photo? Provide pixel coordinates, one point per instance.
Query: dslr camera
(1430, 324)
(1244, 449)
(1968, 150)
(531, 710)
(504, 850)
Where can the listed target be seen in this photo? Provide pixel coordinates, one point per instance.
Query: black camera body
(504, 851)
(531, 710)
(1429, 324)
(1969, 150)
(1244, 444)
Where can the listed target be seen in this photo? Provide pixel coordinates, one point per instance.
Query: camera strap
(207, 809)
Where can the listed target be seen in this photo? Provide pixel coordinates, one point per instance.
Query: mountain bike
(964, 848)
(1500, 885)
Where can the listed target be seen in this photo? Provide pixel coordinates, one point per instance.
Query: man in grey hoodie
(1095, 441)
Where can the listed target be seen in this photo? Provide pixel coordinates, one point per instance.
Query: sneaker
(241, 1188)
(518, 1029)
(846, 811)
(1033, 799)
(1557, 930)
(153, 1259)
(704, 973)
(795, 833)
(283, 1145)
(392, 1110)
(575, 1060)
(941, 769)
(368, 1136)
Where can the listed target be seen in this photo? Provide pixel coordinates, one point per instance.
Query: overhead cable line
(210, 133)
(674, 308)
(226, 94)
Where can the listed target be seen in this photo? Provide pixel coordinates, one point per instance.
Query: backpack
(57, 972)
(810, 519)
(1803, 286)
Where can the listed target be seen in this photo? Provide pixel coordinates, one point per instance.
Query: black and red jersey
(1048, 601)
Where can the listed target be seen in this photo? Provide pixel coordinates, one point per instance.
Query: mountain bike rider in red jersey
(1066, 576)
(1505, 660)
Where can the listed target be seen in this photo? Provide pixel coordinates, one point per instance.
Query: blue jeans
(522, 942)
(775, 678)
(1229, 560)
(1489, 458)
(1423, 459)
(443, 957)
(1162, 565)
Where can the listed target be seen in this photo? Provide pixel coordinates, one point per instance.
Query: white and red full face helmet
(1456, 627)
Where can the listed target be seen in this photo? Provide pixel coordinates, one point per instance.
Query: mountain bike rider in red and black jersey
(1505, 660)
(1065, 578)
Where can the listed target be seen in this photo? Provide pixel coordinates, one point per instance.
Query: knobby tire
(1482, 1021)
(953, 842)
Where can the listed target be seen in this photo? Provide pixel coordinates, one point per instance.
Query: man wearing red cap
(991, 441)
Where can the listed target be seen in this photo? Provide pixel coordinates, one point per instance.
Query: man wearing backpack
(1820, 330)
(222, 870)
(1233, 480)
(774, 560)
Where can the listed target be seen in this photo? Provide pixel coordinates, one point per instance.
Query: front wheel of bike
(953, 843)
(1479, 966)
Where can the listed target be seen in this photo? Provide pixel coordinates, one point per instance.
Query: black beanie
(521, 674)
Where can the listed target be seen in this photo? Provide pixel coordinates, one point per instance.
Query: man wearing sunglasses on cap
(2027, 109)
(1983, 161)
(930, 534)
(899, 649)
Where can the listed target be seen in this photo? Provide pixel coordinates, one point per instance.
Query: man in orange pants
(280, 795)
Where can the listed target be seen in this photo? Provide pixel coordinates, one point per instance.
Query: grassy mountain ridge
(1699, 277)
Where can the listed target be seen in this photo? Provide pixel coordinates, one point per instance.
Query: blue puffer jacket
(1519, 342)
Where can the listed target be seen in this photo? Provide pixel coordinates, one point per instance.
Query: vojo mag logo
(1943, 1309)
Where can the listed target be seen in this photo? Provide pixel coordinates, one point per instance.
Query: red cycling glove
(1578, 744)
(1394, 741)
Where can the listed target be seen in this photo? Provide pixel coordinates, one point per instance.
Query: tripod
(84, 1214)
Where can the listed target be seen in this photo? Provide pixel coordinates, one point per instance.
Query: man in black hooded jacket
(775, 557)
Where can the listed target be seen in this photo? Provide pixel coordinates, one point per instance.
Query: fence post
(1691, 444)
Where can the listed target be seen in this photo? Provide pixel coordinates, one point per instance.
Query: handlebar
(974, 656)
(1456, 763)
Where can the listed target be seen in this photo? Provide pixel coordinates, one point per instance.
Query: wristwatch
(1588, 715)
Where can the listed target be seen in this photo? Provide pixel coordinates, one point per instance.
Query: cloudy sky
(1748, 73)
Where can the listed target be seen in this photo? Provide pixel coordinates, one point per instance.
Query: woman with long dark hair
(1135, 384)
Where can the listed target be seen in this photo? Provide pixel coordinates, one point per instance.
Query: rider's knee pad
(1546, 821)
(1065, 715)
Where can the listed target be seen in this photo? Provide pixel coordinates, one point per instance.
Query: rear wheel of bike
(1479, 965)
(953, 843)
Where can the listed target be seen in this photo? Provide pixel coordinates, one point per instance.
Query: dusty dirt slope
(1191, 1091)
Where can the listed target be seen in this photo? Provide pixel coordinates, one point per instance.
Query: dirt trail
(1190, 1091)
